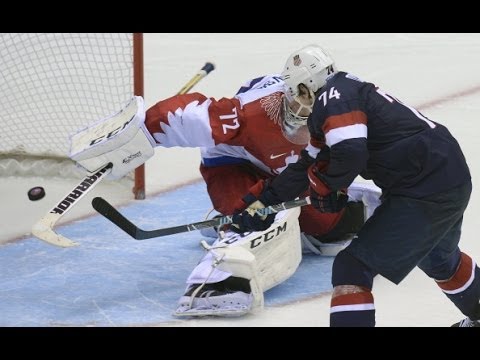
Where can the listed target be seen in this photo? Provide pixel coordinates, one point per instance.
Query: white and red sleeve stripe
(351, 125)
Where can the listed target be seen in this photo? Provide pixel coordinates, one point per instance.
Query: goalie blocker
(121, 139)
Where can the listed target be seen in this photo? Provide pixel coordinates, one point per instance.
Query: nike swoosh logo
(276, 156)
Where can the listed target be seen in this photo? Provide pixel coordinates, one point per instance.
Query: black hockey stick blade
(107, 210)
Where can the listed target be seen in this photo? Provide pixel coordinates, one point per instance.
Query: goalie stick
(43, 228)
(112, 214)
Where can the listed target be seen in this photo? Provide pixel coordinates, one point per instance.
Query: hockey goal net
(54, 84)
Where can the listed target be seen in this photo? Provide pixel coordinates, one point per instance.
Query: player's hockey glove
(322, 197)
(248, 220)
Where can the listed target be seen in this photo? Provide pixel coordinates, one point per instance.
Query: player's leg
(455, 272)
(352, 302)
(458, 276)
(227, 184)
(392, 242)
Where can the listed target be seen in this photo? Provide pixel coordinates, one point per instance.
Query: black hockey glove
(248, 220)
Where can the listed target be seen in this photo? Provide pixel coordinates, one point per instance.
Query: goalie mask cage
(54, 84)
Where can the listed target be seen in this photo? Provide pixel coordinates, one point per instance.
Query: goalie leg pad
(265, 258)
(121, 139)
(277, 250)
(367, 193)
(203, 302)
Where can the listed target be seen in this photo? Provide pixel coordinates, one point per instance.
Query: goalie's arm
(127, 140)
(193, 120)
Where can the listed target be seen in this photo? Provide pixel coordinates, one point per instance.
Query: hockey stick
(43, 229)
(112, 214)
(204, 71)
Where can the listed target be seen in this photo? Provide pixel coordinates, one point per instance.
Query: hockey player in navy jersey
(358, 129)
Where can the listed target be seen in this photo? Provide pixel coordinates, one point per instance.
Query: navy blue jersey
(372, 134)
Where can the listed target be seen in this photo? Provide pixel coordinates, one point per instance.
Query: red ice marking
(450, 97)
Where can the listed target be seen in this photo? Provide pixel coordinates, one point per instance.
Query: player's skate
(214, 300)
(467, 323)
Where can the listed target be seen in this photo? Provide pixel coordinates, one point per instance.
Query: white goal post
(54, 84)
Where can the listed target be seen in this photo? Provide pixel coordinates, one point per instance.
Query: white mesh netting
(51, 86)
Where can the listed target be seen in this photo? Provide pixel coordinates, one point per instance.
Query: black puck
(36, 193)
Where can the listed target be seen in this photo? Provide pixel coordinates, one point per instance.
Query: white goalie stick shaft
(112, 214)
(43, 229)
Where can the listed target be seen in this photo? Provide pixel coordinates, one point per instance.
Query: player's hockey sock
(463, 288)
(352, 299)
(353, 310)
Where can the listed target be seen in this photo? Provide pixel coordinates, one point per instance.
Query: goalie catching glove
(121, 139)
(322, 197)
